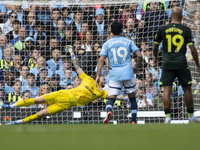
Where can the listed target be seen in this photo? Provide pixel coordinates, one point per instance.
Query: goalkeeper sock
(133, 109)
(26, 102)
(109, 104)
(31, 118)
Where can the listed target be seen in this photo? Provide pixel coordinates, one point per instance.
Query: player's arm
(99, 66)
(75, 61)
(155, 51)
(195, 56)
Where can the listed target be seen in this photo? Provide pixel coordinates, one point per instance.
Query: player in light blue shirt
(118, 50)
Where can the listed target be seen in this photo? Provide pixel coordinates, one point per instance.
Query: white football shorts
(115, 87)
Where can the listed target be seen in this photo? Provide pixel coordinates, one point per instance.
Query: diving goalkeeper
(64, 99)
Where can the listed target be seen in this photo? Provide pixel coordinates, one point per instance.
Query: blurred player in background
(118, 50)
(175, 38)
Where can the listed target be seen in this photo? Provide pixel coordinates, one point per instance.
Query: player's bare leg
(167, 103)
(26, 102)
(189, 104)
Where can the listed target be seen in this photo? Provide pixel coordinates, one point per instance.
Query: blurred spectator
(70, 36)
(100, 25)
(66, 65)
(32, 61)
(19, 41)
(88, 13)
(8, 25)
(16, 95)
(21, 14)
(31, 85)
(42, 77)
(10, 75)
(43, 13)
(69, 86)
(153, 69)
(77, 47)
(87, 43)
(68, 78)
(41, 63)
(26, 94)
(78, 18)
(55, 83)
(17, 61)
(106, 34)
(111, 12)
(23, 75)
(158, 100)
(2, 96)
(2, 13)
(3, 42)
(65, 16)
(56, 62)
(39, 25)
(142, 100)
(44, 89)
(51, 25)
(52, 44)
(130, 31)
(7, 60)
(77, 81)
(126, 15)
(15, 32)
(151, 88)
(30, 24)
(28, 48)
(84, 29)
(152, 20)
(136, 11)
(60, 29)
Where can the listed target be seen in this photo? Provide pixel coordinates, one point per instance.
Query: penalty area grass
(100, 137)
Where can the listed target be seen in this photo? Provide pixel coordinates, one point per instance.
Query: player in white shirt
(119, 50)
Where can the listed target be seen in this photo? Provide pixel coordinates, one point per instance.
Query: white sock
(20, 121)
(13, 105)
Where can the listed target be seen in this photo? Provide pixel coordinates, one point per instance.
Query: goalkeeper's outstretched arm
(75, 61)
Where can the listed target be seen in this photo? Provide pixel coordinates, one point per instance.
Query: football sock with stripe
(26, 102)
(109, 104)
(133, 109)
(31, 118)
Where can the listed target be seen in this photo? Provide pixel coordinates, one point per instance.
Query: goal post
(85, 24)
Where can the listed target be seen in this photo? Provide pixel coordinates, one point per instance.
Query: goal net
(34, 60)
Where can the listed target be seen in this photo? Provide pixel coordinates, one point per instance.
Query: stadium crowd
(34, 43)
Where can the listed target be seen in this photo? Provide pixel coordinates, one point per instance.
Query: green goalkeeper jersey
(175, 38)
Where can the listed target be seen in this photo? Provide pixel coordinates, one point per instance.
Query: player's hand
(97, 81)
(70, 49)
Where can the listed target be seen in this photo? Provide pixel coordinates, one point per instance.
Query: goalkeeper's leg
(26, 102)
(51, 109)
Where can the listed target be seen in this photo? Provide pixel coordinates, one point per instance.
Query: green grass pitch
(100, 137)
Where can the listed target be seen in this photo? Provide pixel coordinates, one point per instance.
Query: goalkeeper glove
(71, 51)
